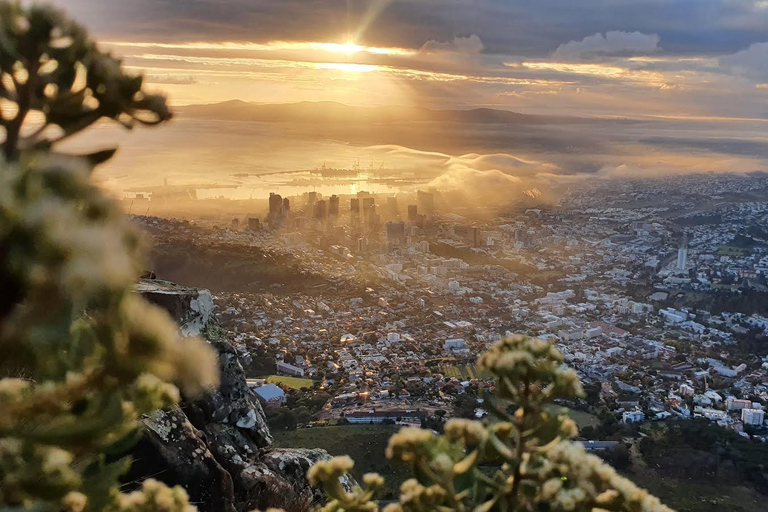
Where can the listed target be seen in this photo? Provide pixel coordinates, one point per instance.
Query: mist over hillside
(333, 112)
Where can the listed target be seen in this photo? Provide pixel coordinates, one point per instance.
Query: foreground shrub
(81, 357)
(522, 461)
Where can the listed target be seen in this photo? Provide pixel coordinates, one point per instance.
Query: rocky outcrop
(233, 403)
(217, 446)
(174, 451)
(191, 307)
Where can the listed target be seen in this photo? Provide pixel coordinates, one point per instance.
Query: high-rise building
(392, 210)
(354, 212)
(395, 234)
(413, 213)
(333, 206)
(320, 210)
(286, 206)
(477, 237)
(368, 213)
(275, 204)
(254, 224)
(682, 254)
(312, 198)
(752, 416)
(425, 202)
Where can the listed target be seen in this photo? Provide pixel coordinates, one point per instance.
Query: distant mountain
(332, 112)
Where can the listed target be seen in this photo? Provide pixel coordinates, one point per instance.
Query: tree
(534, 465)
(81, 356)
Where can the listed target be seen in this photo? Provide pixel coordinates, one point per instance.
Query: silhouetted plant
(82, 357)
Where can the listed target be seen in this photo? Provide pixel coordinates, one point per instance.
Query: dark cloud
(513, 27)
(751, 62)
(613, 43)
(468, 45)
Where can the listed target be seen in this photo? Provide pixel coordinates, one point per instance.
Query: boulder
(233, 403)
(175, 452)
(191, 307)
(216, 446)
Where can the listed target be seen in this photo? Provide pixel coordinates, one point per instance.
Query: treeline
(698, 449)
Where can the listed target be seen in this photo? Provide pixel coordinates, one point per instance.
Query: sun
(351, 47)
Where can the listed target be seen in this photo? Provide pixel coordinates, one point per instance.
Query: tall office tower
(311, 199)
(682, 253)
(476, 237)
(368, 213)
(333, 206)
(275, 204)
(354, 212)
(320, 210)
(395, 234)
(413, 213)
(426, 202)
(286, 206)
(392, 211)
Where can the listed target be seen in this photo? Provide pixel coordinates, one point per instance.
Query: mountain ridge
(330, 111)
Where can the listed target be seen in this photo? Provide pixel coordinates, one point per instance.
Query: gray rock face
(175, 452)
(217, 446)
(191, 307)
(234, 403)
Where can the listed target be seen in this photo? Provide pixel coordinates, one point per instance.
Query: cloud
(510, 27)
(471, 45)
(170, 79)
(505, 163)
(751, 62)
(614, 43)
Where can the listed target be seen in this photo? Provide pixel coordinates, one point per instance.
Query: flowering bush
(81, 357)
(523, 461)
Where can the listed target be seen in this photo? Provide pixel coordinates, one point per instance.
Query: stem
(512, 498)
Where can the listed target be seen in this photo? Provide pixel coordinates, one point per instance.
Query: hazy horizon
(668, 88)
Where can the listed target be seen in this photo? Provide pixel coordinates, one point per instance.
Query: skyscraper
(392, 210)
(368, 213)
(333, 206)
(413, 213)
(354, 212)
(275, 204)
(426, 202)
(395, 234)
(320, 210)
(682, 254)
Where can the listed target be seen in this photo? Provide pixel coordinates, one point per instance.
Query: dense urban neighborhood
(654, 290)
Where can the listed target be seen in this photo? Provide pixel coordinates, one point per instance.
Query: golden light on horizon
(606, 71)
(348, 47)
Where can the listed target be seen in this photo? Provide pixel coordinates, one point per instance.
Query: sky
(670, 58)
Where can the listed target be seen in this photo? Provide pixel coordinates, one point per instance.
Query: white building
(632, 416)
(289, 369)
(752, 416)
(455, 345)
(673, 316)
(682, 257)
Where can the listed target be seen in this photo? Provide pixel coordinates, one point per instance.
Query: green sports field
(291, 382)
